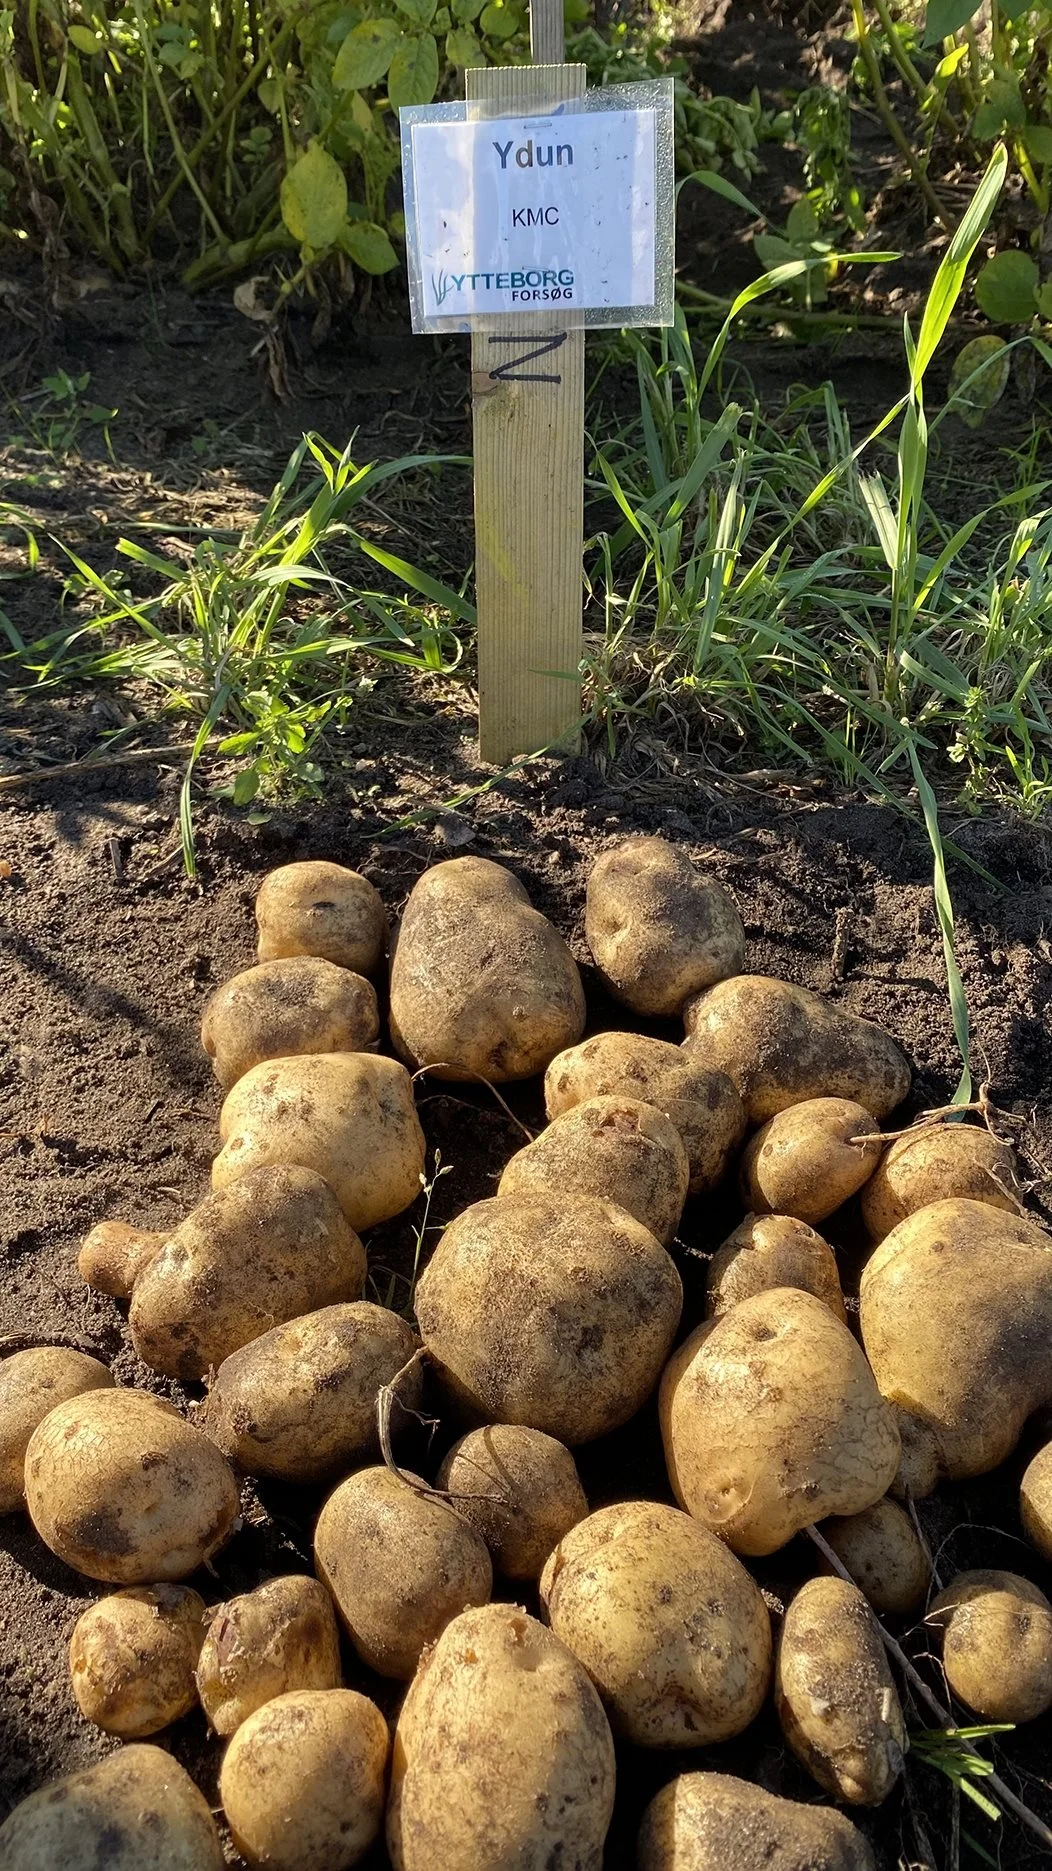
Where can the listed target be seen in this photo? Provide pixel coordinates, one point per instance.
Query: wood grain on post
(528, 416)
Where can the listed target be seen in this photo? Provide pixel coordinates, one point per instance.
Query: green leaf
(368, 247)
(499, 21)
(1038, 140)
(772, 250)
(945, 288)
(979, 378)
(1001, 109)
(269, 94)
(246, 785)
(1006, 288)
(467, 10)
(710, 178)
(85, 40)
(1044, 300)
(442, 21)
(945, 17)
(421, 12)
(413, 78)
(366, 54)
(463, 48)
(314, 199)
(801, 222)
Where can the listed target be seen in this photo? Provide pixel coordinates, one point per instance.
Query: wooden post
(527, 396)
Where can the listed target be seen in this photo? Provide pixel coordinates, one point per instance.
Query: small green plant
(56, 413)
(950, 1752)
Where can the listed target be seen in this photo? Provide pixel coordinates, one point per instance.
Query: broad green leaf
(946, 67)
(1044, 300)
(979, 378)
(246, 785)
(396, 224)
(413, 77)
(575, 12)
(945, 288)
(314, 199)
(85, 40)
(772, 250)
(801, 222)
(361, 115)
(463, 48)
(421, 12)
(269, 94)
(1002, 108)
(368, 247)
(442, 21)
(366, 54)
(1038, 140)
(1006, 288)
(499, 21)
(945, 17)
(467, 10)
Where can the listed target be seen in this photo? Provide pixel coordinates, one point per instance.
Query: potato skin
(880, 1549)
(299, 1403)
(269, 1247)
(279, 1638)
(806, 1161)
(299, 1004)
(519, 1489)
(934, 1163)
(124, 1490)
(712, 1822)
(836, 1696)
(669, 1625)
(956, 1314)
(399, 1564)
(557, 1314)
(502, 1753)
(302, 1782)
(704, 1106)
(618, 1149)
(349, 1116)
(132, 1658)
(1035, 1501)
(659, 930)
(32, 1383)
(137, 1810)
(772, 1250)
(322, 909)
(996, 1644)
(481, 982)
(114, 1254)
(782, 1044)
(771, 1420)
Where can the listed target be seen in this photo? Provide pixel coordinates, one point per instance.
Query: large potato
(659, 930)
(399, 1564)
(32, 1383)
(932, 1164)
(835, 1694)
(321, 909)
(781, 1044)
(771, 1420)
(809, 1159)
(669, 1625)
(557, 1314)
(302, 1782)
(299, 1403)
(138, 1810)
(272, 1245)
(280, 1008)
(482, 985)
(502, 1755)
(114, 1254)
(996, 1644)
(1035, 1501)
(349, 1116)
(956, 1313)
(881, 1550)
(772, 1250)
(279, 1638)
(712, 1822)
(132, 1658)
(616, 1148)
(704, 1106)
(123, 1489)
(519, 1489)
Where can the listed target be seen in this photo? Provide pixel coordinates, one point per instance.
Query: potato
(271, 1246)
(123, 1489)
(502, 1755)
(32, 1383)
(884, 1556)
(299, 1403)
(132, 1658)
(712, 1822)
(1035, 1501)
(669, 1625)
(300, 1004)
(704, 1106)
(956, 1314)
(809, 1159)
(772, 1250)
(781, 1045)
(349, 1116)
(399, 1564)
(280, 1638)
(482, 985)
(771, 1420)
(835, 1694)
(554, 1313)
(302, 1782)
(137, 1810)
(321, 909)
(934, 1163)
(996, 1644)
(114, 1254)
(616, 1148)
(659, 930)
(519, 1489)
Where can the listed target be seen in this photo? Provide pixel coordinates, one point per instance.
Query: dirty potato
(279, 1638)
(659, 930)
(772, 1250)
(996, 1644)
(836, 1696)
(807, 1160)
(615, 1148)
(114, 1254)
(519, 1489)
(321, 909)
(713, 1822)
(933, 1164)
(302, 1782)
(881, 1550)
(132, 1659)
(137, 1810)
(32, 1383)
(1035, 1501)
(300, 1004)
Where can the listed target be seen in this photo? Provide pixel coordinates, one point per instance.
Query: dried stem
(444, 1065)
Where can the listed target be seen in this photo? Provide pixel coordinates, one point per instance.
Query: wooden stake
(527, 398)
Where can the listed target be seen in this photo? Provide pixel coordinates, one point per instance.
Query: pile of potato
(547, 1316)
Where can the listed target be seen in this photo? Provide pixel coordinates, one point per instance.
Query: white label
(517, 214)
